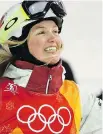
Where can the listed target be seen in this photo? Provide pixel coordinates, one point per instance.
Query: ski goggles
(38, 9)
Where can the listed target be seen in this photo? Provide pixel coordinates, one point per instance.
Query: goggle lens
(37, 7)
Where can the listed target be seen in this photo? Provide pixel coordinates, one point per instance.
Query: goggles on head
(38, 9)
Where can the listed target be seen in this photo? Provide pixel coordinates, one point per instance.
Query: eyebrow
(39, 27)
(42, 27)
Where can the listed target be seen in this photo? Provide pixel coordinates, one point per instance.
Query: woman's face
(44, 42)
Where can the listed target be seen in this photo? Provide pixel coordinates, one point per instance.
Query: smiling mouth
(51, 49)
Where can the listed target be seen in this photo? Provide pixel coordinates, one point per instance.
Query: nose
(52, 37)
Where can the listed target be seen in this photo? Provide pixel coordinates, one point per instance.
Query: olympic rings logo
(43, 119)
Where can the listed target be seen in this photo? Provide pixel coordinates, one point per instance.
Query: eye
(41, 32)
(56, 31)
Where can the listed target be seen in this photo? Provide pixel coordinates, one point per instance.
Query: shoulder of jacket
(70, 91)
(70, 86)
(3, 81)
(7, 88)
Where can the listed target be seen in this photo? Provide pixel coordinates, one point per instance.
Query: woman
(35, 98)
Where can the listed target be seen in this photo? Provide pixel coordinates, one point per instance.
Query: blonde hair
(5, 53)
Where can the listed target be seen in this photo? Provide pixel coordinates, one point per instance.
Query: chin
(51, 59)
(54, 61)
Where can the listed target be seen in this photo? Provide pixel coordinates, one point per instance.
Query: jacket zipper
(48, 83)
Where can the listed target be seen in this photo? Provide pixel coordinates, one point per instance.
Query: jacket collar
(36, 78)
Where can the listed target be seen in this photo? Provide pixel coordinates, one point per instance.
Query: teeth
(51, 49)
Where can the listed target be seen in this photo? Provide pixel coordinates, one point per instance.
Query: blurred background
(82, 37)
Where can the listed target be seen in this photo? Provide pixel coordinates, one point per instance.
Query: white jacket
(91, 115)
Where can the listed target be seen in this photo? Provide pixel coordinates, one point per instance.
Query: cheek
(59, 40)
(35, 48)
(32, 45)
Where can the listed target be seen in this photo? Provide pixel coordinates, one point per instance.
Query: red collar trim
(40, 78)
